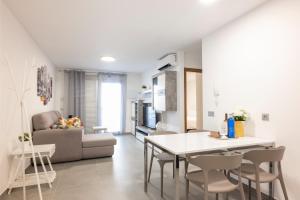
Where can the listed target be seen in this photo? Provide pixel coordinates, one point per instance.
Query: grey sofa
(71, 144)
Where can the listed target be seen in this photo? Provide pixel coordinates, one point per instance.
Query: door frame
(186, 70)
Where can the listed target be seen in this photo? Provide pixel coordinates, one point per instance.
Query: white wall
(17, 46)
(254, 64)
(193, 56)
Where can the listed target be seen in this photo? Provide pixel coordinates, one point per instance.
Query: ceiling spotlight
(207, 2)
(108, 59)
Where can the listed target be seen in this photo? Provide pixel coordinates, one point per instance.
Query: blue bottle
(230, 122)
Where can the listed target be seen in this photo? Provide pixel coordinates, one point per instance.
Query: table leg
(145, 166)
(271, 184)
(15, 174)
(177, 183)
(23, 175)
(36, 172)
(271, 192)
(44, 169)
(49, 163)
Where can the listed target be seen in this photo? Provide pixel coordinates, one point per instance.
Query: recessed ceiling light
(108, 59)
(207, 2)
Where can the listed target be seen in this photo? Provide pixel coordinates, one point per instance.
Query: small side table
(98, 129)
(41, 152)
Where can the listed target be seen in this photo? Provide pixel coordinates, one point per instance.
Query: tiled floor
(118, 178)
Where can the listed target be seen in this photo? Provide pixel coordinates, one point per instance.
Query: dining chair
(211, 178)
(197, 154)
(254, 173)
(162, 158)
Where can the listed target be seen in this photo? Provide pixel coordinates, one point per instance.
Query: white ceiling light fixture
(108, 59)
(208, 2)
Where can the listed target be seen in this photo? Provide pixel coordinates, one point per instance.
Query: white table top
(187, 143)
(45, 149)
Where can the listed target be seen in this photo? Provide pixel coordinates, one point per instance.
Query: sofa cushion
(97, 152)
(45, 120)
(98, 140)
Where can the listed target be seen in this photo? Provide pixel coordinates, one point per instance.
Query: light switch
(211, 113)
(265, 117)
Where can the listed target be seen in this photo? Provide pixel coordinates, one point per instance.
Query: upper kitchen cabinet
(165, 91)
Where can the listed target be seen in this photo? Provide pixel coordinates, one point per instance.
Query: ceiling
(75, 34)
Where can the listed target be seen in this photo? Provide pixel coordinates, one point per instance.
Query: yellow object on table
(239, 129)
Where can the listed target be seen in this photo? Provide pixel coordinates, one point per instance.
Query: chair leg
(258, 192)
(173, 171)
(217, 196)
(162, 164)
(226, 196)
(282, 182)
(187, 189)
(257, 181)
(187, 182)
(186, 166)
(283, 188)
(249, 188)
(151, 163)
(242, 191)
(205, 195)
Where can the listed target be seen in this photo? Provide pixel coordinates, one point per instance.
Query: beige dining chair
(253, 171)
(211, 178)
(162, 158)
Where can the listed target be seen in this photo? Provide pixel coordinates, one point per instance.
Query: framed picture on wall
(44, 85)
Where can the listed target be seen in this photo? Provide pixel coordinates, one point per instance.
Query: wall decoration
(44, 85)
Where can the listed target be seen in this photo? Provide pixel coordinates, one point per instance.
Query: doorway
(193, 99)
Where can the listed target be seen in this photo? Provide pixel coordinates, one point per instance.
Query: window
(111, 106)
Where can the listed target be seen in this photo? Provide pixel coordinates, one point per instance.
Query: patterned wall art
(44, 85)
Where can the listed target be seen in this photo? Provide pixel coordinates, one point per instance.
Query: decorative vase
(239, 129)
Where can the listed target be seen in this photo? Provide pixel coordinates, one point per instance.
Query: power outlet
(265, 117)
(211, 113)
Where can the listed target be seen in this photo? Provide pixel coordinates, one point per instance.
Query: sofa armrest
(68, 143)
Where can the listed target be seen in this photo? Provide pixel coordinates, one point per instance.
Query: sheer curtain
(120, 79)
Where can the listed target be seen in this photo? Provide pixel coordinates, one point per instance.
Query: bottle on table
(230, 125)
(224, 128)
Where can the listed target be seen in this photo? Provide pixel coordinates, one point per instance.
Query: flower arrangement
(24, 137)
(240, 115)
(73, 122)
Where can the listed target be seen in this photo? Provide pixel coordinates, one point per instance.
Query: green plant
(240, 115)
(25, 136)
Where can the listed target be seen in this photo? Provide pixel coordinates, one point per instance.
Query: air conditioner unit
(167, 61)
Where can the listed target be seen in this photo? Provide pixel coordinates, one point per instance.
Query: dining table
(186, 144)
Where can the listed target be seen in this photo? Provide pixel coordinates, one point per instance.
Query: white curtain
(113, 78)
